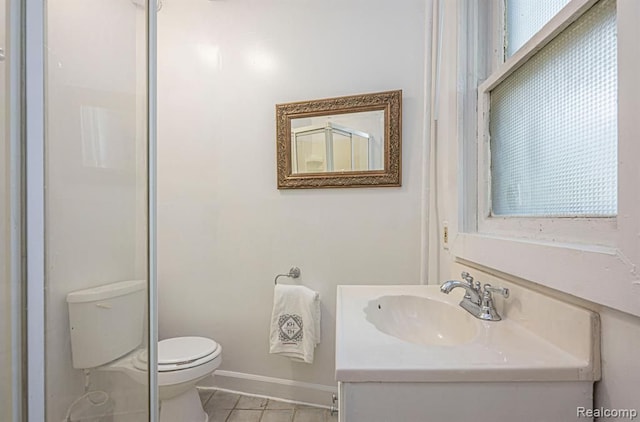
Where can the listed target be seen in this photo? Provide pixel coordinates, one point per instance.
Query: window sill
(600, 274)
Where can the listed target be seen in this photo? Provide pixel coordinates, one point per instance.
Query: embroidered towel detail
(295, 322)
(290, 328)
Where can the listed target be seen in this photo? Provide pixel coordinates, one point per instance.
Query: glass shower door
(5, 286)
(10, 203)
(96, 203)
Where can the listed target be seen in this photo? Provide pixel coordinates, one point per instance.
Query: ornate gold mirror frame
(387, 172)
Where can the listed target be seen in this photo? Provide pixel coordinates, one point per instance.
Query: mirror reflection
(339, 142)
(351, 141)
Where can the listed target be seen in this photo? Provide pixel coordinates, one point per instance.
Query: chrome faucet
(477, 301)
(472, 292)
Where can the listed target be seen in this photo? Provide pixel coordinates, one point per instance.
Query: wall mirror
(352, 141)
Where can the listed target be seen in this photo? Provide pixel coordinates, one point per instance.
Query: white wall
(224, 230)
(90, 203)
(620, 367)
(620, 336)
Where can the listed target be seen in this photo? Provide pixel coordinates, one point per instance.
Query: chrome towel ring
(294, 272)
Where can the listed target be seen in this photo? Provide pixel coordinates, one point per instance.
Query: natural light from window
(553, 125)
(525, 18)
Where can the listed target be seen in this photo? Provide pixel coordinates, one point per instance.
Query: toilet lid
(181, 353)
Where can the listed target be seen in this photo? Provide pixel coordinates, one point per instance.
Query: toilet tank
(106, 322)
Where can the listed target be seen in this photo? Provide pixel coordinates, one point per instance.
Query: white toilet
(106, 330)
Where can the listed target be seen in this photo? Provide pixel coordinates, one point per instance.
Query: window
(524, 18)
(549, 189)
(552, 124)
(549, 130)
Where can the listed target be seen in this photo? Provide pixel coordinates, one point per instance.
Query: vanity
(411, 353)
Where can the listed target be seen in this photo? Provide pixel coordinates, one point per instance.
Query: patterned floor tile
(205, 395)
(222, 406)
(223, 400)
(275, 404)
(241, 415)
(309, 415)
(284, 415)
(218, 415)
(248, 402)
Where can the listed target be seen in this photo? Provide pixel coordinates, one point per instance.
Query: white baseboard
(274, 388)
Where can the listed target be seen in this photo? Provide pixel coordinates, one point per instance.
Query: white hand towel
(295, 322)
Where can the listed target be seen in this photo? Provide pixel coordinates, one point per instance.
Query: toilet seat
(180, 353)
(184, 362)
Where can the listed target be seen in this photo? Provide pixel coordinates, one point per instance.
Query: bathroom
(223, 229)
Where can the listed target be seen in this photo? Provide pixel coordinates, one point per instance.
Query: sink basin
(415, 334)
(409, 353)
(422, 320)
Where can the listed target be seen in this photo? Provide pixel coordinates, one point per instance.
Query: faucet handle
(488, 310)
(467, 277)
(501, 290)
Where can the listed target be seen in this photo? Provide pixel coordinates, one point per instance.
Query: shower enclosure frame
(15, 231)
(27, 56)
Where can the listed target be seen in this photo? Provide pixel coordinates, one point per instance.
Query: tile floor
(222, 406)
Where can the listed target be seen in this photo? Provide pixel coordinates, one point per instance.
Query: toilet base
(186, 407)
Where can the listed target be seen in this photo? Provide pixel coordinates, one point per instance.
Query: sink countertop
(501, 351)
